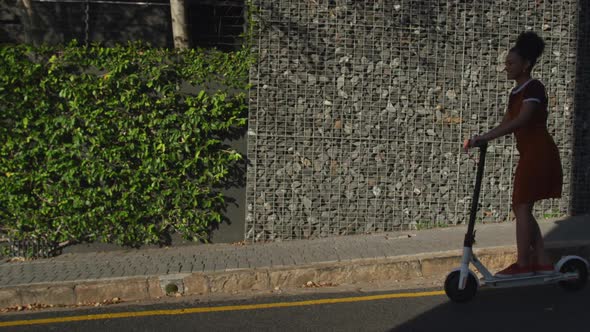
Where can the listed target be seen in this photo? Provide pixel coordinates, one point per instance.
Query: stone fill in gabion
(359, 109)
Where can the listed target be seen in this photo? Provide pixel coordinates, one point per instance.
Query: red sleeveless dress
(539, 174)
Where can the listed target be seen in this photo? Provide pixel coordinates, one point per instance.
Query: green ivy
(120, 144)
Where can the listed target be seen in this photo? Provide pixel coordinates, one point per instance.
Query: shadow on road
(535, 308)
(543, 308)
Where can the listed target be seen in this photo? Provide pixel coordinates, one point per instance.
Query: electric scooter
(571, 272)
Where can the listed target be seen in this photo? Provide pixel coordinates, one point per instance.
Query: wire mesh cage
(358, 111)
(32, 248)
(216, 23)
(211, 24)
(106, 21)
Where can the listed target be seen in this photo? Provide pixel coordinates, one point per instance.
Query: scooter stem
(470, 235)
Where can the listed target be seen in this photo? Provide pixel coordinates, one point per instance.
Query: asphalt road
(545, 308)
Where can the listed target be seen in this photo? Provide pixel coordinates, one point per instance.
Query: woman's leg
(538, 244)
(523, 233)
(529, 240)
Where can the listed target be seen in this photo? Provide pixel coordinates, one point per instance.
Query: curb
(382, 271)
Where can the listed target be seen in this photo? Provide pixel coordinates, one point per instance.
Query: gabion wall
(359, 108)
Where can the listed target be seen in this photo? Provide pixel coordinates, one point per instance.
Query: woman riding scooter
(538, 174)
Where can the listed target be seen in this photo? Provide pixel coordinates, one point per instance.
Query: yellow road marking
(216, 309)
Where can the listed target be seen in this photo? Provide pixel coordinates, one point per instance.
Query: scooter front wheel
(577, 266)
(460, 295)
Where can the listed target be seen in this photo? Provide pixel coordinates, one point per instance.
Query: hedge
(121, 144)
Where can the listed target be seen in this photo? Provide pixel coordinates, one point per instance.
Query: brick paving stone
(219, 257)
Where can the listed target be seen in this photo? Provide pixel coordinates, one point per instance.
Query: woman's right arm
(505, 119)
(510, 125)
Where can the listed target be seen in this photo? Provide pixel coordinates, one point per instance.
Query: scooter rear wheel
(452, 287)
(574, 265)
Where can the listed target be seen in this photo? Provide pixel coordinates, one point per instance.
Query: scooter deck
(536, 279)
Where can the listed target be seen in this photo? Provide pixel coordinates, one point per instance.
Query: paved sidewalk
(392, 258)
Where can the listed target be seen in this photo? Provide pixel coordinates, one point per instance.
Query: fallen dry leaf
(313, 284)
(17, 260)
(40, 306)
(452, 120)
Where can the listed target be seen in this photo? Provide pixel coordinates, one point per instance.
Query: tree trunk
(29, 21)
(179, 27)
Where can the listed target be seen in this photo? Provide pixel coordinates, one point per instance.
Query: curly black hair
(529, 46)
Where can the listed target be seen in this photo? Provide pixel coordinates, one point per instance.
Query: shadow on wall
(232, 226)
(422, 13)
(10, 26)
(580, 202)
(61, 21)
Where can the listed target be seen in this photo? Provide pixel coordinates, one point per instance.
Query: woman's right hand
(475, 141)
(466, 144)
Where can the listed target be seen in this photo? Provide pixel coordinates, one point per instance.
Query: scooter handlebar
(467, 144)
